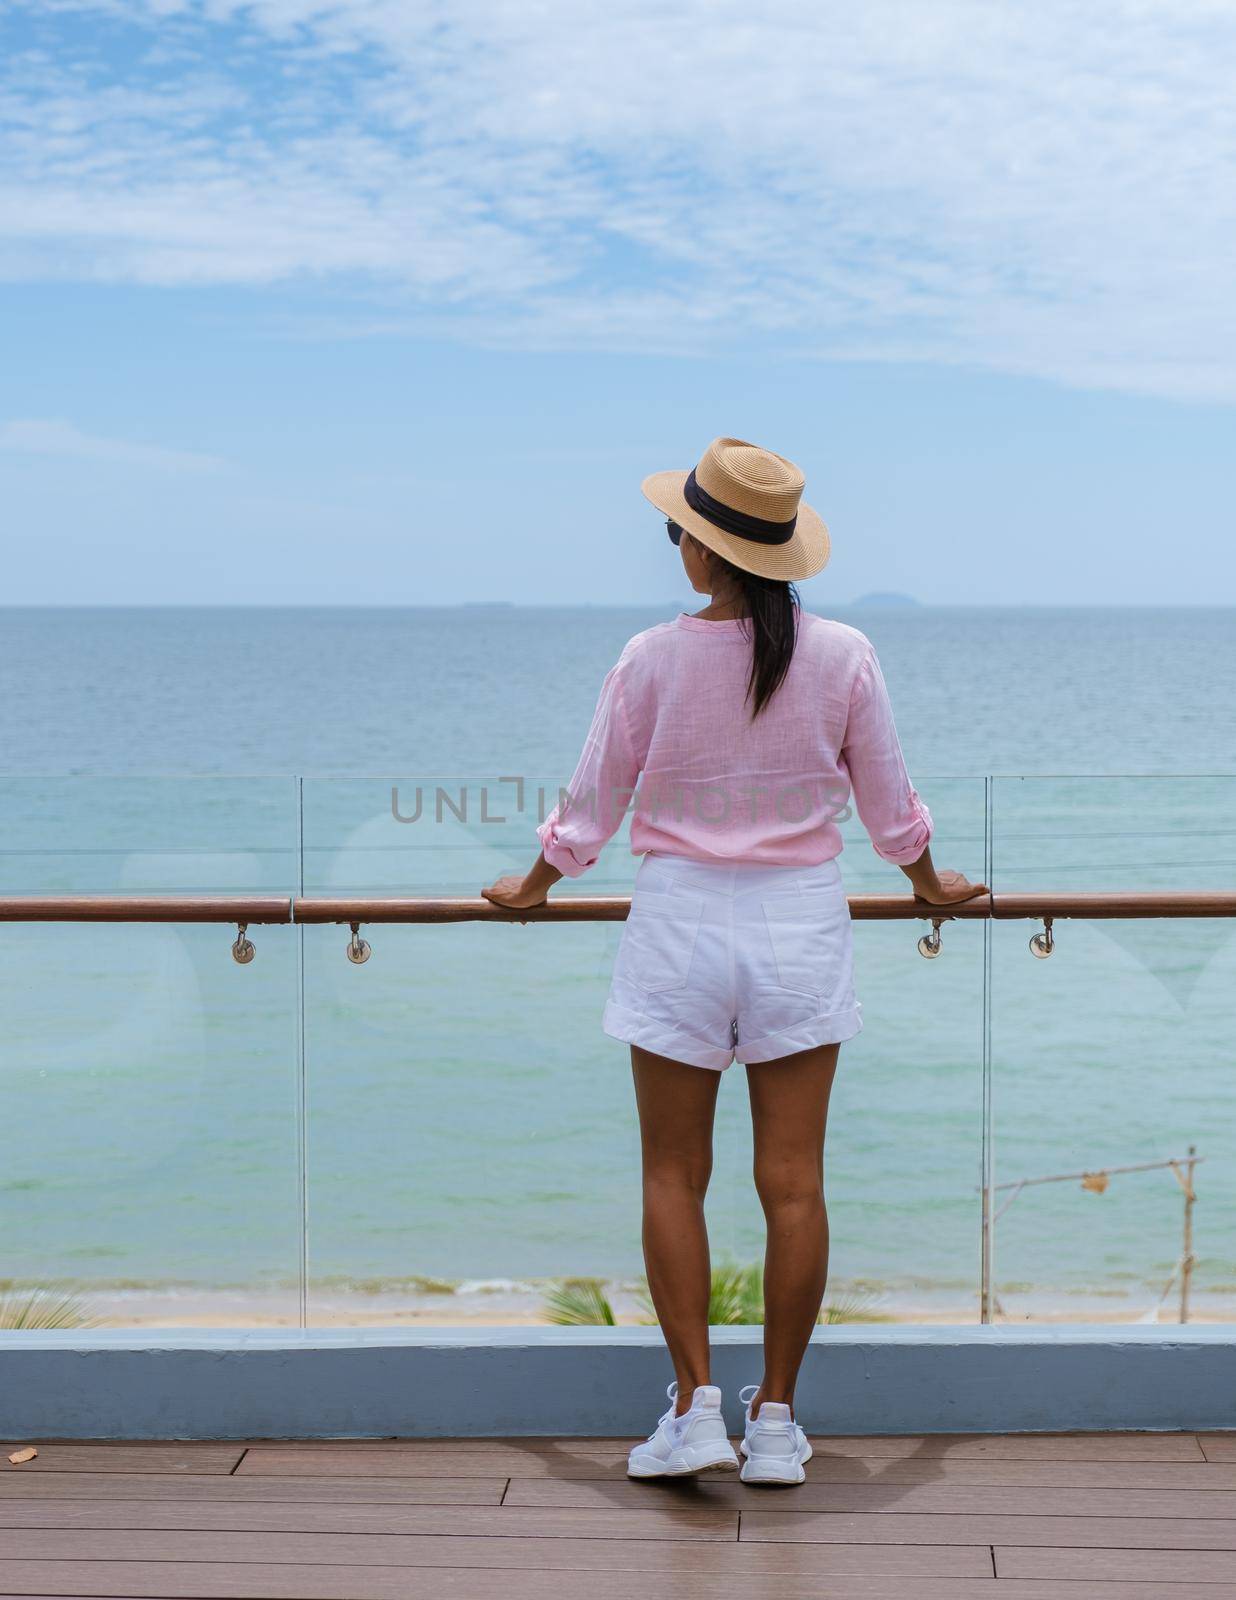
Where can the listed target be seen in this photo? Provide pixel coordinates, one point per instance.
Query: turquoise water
(463, 1116)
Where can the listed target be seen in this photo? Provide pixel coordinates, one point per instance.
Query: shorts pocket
(809, 935)
(658, 942)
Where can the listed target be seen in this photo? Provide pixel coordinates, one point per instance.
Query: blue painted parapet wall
(373, 1383)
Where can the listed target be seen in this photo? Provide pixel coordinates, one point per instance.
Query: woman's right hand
(948, 889)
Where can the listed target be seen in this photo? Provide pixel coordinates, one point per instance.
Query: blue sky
(370, 301)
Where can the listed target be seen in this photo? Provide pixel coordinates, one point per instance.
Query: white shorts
(724, 963)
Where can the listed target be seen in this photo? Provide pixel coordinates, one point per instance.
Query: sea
(443, 1128)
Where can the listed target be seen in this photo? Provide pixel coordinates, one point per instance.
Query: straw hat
(746, 504)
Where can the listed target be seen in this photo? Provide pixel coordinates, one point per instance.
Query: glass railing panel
(1114, 1052)
(906, 1119)
(130, 835)
(471, 1131)
(150, 1169)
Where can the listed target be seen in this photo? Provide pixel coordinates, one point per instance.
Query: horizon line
(910, 605)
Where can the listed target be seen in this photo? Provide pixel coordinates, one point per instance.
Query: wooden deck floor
(1025, 1517)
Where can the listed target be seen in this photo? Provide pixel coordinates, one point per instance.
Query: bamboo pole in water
(1095, 1178)
(1186, 1254)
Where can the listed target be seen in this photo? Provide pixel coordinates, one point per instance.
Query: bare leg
(676, 1106)
(789, 1111)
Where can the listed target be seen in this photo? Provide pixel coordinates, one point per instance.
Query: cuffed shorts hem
(833, 1029)
(633, 1028)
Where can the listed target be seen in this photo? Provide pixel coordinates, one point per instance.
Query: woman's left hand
(513, 894)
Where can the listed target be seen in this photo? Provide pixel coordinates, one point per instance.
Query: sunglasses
(674, 530)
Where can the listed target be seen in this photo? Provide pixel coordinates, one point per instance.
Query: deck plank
(687, 1523)
(1021, 1447)
(66, 1580)
(1128, 1533)
(609, 1457)
(1062, 1446)
(205, 1458)
(548, 1458)
(1173, 1475)
(431, 1449)
(949, 1498)
(523, 1463)
(582, 1555)
(1218, 1446)
(256, 1516)
(327, 1491)
(544, 1462)
(1084, 1566)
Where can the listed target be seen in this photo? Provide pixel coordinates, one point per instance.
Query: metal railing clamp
(929, 945)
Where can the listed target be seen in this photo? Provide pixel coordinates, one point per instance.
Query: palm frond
(43, 1308)
(737, 1299)
(856, 1306)
(737, 1295)
(579, 1303)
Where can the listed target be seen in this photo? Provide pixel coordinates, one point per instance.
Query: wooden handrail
(258, 909)
(247, 908)
(1127, 903)
(863, 908)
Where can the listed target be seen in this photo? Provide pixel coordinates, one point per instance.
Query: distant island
(884, 598)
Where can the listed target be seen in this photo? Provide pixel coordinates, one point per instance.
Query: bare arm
(592, 809)
(897, 820)
(518, 894)
(939, 888)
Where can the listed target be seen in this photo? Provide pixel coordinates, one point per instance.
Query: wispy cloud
(39, 437)
(1033, 187)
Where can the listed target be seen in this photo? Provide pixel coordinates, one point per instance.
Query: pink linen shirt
(672, 737)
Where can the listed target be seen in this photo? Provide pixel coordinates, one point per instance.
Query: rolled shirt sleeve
(889, 807)
(599, 793)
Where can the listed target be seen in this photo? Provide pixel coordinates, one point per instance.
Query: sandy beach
(501, 1304)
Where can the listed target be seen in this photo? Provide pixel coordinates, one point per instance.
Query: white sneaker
(774, 1446)
(693, 1442)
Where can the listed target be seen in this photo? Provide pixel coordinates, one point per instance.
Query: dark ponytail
(773, 605)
